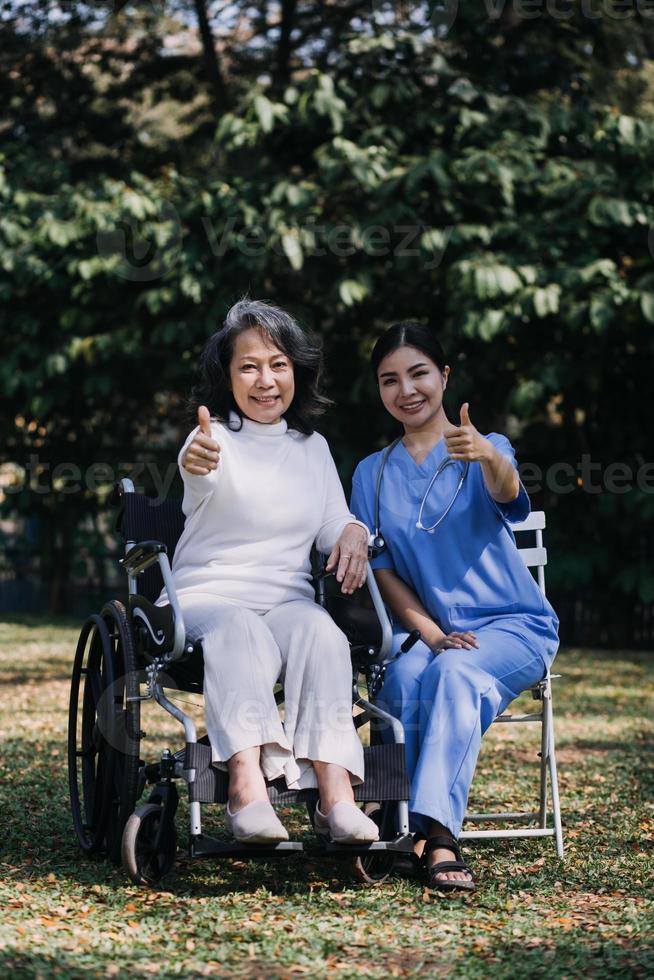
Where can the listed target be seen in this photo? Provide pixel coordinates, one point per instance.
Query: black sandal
(444, 884)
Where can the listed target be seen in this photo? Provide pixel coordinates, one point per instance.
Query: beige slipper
(345, 824)
(256, 823)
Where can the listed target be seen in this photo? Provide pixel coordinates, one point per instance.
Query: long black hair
(282, 330)
(408, 333)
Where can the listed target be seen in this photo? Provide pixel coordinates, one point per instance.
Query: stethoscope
(378, 541)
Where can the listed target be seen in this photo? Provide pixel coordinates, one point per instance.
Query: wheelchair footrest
(385, 778)
(204, 846)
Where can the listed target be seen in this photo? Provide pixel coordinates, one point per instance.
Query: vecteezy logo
(135, 257)
(441, 14)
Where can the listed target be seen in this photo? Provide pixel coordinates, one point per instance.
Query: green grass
(591, 915)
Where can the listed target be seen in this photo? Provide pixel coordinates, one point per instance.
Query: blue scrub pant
(446, 702)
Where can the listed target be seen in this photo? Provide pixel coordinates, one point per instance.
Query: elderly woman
(444, 504)
(260, 488)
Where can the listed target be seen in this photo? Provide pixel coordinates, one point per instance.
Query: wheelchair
(135, 652)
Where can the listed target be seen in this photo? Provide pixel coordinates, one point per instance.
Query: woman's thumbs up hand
(204, 420)
(464, 442)
(203, 453)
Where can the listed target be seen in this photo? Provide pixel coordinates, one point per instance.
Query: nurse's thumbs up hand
(464, 442)
(203, 452)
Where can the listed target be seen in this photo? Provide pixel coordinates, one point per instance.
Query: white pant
(245, 653)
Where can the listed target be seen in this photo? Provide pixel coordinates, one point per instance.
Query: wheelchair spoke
(118, 774)
(96, 738)
(94, 687)
(96, 795)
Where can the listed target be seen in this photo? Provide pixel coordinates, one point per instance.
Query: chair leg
(544, 755)
(551, 757)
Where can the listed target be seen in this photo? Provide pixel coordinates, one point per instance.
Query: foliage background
(482, 166)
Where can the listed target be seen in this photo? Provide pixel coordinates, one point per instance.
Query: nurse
(444, 505)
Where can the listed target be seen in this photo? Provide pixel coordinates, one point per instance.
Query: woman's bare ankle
(246, 781)
(242, 796)
(334, 785)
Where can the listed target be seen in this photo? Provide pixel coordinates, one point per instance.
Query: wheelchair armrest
(368, 630)
(139, 557)
(142, 555)
(384, 652)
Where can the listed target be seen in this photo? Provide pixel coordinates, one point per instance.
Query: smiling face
(261, 377)
(411, 387)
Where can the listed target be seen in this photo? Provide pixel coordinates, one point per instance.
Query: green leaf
(137, 205)
(265, 112)
(601, 311)
(293, 195)
(508, 281)
(352, 291)
(62, 232)
(494, 280)
(88, 268)
(606, 211)
(546, 300)
(293, 249)
(491, 323)
(55, 364)
(379, 94)
(463, 89)
(527, 393)
(647, 306)
(601, 267)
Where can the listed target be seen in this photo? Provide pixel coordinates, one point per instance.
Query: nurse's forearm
(500, 476)
(406, 606)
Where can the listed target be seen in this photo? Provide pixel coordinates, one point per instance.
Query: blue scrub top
(468, 573)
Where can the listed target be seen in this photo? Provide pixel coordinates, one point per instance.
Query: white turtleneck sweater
(251, 523)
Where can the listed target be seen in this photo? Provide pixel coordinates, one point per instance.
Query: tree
(416, 175)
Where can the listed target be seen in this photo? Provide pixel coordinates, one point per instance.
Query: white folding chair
(533, 558)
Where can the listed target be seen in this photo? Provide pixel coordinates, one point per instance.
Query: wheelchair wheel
(375, 867)
(148, 849)
(124, 782)
(90, 735)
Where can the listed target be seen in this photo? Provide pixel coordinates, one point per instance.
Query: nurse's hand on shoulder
(350, 558)
(203, 452)
(456, 641)
(464, 442)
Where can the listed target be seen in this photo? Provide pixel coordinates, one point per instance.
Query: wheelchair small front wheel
(148, 845)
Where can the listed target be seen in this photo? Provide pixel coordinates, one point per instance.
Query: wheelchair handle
(410, 641)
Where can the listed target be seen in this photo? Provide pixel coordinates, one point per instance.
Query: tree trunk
(283, 71)
(211, 63)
